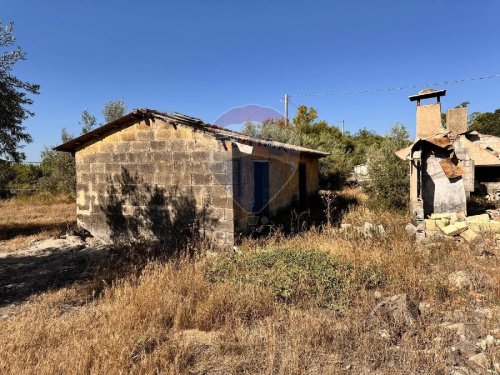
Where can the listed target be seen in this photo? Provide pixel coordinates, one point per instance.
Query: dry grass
(25, 219)
(173, 318)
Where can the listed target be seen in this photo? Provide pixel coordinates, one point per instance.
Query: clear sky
(203, 58)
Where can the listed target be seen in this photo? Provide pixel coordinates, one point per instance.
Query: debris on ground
(367, 230)
(452, 226)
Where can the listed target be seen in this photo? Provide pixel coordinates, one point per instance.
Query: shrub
(59, 172)
(292, 276)
(389, 177)
(7, 174)
(26, 177)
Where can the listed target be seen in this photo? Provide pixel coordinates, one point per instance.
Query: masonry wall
(151, 180)
(439, 193)
(283, 181)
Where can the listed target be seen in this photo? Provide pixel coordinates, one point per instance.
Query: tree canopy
(14, 98)
(114, 109)
(486, 122)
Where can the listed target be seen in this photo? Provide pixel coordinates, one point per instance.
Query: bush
(389, 180)
(7, 174)
(59, 173)
(292, 276)
(26, 177)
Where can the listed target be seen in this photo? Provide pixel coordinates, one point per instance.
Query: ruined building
(158, 176)
(448, 164)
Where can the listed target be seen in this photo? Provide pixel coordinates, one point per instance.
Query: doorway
(302, 185)
(261, 185)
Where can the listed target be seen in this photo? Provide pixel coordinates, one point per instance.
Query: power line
(295, 105)
(416, 85)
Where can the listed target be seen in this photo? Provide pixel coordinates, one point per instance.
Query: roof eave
(73, 144)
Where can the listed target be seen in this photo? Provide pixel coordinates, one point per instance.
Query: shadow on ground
(8, 232)
(30, 272)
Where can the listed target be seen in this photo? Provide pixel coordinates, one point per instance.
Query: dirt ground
(32, 257)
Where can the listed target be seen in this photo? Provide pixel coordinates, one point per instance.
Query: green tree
(305, 116)
(389, 179)
(306, 130)
(58, 170)
(114, 109)
(88, 122)
(486, 122)
(363, 140)
(14, 98)
(7, 174)
(26, 177)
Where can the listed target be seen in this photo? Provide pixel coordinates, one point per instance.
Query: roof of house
(177, 119)
(481, 157)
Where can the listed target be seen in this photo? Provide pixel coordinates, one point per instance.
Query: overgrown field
(25, 219)
(300, 305)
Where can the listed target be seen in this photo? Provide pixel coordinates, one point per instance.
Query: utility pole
(342, 127)
(286, 109)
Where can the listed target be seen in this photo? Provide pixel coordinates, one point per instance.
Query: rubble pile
(451, 225)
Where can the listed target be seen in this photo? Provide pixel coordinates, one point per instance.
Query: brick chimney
(429, 115)
(456, 120)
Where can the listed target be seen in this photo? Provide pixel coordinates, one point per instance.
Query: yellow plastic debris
(454, 229)
(478, 218)
(469, 235)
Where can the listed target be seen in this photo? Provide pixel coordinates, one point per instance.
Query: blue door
(261, 185)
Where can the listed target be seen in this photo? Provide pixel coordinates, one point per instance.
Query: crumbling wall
(152, 180)
(456, 120)
(439, 192)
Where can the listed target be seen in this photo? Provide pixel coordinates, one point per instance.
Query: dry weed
(172, 318)
(25, 219)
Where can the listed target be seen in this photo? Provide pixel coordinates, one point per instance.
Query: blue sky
(203, 58)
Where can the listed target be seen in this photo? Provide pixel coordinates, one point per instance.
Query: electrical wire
(416, 85)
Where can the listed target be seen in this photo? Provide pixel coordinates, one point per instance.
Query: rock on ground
(460, 280)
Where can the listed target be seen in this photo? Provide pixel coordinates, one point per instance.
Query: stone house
(157, 176)
(448, 164)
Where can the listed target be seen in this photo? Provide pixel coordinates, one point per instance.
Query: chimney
(429, 115)
(456, 120)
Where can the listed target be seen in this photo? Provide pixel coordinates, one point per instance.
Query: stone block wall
(467, 165)
(283, 181)
(151, 180)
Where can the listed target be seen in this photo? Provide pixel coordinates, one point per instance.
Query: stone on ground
(454, 229)
(397, 309)
(460, 280)
(441, 216)
(478, 218)
(441, 223)
(430, 224)
(481, 360)
(469, 235)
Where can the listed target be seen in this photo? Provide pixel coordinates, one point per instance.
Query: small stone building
(151, 175)
(447, 164)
